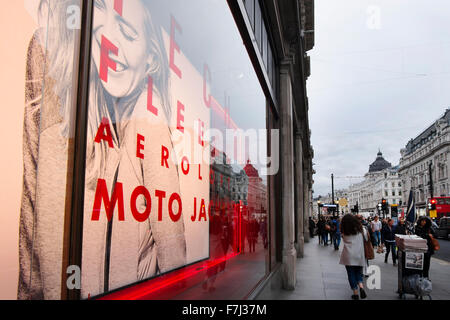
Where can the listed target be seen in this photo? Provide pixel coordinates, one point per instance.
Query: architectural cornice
(421, 158)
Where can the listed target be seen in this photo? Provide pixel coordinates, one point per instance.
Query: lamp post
(332, 188)
(318, 208)
(337, 207)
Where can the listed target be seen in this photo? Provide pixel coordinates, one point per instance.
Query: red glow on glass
(154, 285)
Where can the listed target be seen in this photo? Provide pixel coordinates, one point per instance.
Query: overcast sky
(380, 76)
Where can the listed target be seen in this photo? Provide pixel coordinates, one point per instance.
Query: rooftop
(379, 164)
(427, 134)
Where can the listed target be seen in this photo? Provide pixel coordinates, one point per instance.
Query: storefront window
(176, 193)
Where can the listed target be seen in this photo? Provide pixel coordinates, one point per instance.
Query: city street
(321, 277)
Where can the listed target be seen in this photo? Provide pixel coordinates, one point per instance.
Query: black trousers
(426, 264)
(390, 246)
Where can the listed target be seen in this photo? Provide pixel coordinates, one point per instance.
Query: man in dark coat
(312, 226)
(388, 235)
(401, 227)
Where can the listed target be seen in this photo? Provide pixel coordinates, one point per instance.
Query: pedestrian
(383, 223)
(401, 227)
(263, 232)
(366, 227)
(352, 256)
(336, 232)
(376, 229)
(371, 233)
(326, 231)
(423, 229)
(312, 226)
(388, 233)
(320, 228)
(252, 234)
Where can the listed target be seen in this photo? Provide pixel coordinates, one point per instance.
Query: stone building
(380, 182)
(424, 164)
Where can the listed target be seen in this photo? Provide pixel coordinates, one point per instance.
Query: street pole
(332, 188)
(431, 180)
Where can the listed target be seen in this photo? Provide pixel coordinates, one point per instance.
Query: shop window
(187, 223)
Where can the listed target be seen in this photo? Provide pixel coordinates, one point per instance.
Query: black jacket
(388, 233)
(400, 229)
(424, 232)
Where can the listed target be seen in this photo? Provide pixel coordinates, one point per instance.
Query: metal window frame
(73, 229)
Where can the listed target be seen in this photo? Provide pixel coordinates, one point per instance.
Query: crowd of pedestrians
(355, 231)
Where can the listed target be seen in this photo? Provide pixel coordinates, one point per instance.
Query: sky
(380, 75)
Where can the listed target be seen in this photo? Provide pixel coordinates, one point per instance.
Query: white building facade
(381, 182)
(424, 166)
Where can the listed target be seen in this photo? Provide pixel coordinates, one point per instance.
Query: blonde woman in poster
(47, 122)
(115, 253)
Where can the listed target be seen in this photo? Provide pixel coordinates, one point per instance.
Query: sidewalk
(320, 277)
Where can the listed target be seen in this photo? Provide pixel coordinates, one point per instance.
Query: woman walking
(352, 256)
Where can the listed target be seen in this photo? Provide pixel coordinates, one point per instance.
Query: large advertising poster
(147, 163)
(38, 83)
(173, 170)
(15, 38)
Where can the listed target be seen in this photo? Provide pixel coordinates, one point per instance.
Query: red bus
(442, 205)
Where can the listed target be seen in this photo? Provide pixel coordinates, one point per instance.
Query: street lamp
(337, 208)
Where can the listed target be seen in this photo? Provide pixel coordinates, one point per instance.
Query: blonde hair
(100, 102)
(61, 58)
(60, 46)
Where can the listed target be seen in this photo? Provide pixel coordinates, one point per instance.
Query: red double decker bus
(441, 205)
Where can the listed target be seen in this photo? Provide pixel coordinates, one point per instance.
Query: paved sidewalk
(320, 277)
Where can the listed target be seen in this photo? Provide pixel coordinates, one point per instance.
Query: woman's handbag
(435, 243)
(368, 248)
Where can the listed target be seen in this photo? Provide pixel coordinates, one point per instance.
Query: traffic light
(432, 204)
(394, 212)
(384, 205)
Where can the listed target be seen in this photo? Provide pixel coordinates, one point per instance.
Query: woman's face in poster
(127, 33)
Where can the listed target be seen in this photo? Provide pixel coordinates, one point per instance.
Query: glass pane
(177, 121)
(264, 45)
(258, 25)
(250, 7)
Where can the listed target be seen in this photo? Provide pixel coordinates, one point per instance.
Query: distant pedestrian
(366, 227)
(326, 232)
(389, 241)
(376, 229)
(320, 228)
(384, 222)
(263, 232)
(311, 226)
(336, 232)
(401, 227)
(323, 230)
(352, 256)
(252, 234)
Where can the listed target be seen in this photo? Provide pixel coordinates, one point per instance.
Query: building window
(250, 7)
